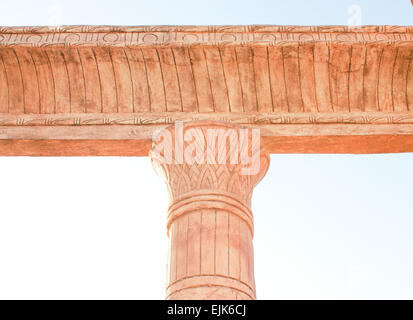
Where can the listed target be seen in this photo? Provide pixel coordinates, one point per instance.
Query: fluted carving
(241, 69)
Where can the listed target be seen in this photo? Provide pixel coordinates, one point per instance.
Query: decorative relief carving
(165, 118)
(221, 185)
(207, 29)
(193, 35)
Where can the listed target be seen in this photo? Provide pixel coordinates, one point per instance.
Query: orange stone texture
(106, 90)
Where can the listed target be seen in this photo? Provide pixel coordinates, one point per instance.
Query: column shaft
(210, 256)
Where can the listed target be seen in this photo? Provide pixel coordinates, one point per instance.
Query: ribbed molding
(207, 199)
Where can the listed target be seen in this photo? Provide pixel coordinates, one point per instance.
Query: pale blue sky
(327, 226)
(137, 12)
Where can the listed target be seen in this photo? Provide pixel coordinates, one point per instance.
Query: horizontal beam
(241, 118)
(105, 90)
(277, 145)
(146, 132)
(131, 134)
(74, 148)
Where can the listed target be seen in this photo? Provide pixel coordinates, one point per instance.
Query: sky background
(326, 226)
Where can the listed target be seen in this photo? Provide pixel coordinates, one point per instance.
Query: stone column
(210, 223)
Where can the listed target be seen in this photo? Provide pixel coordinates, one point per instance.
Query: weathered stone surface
(210, 223)
(102, 90)
(65, 83)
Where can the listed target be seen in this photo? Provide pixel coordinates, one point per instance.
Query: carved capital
(225, 180)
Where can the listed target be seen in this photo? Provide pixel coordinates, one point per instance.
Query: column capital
(209, 161)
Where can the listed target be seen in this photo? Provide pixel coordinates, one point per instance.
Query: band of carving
(223, 201)
(226, 178)
(165, 118)
(210, 281)
(206, 29)
(214, 35)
